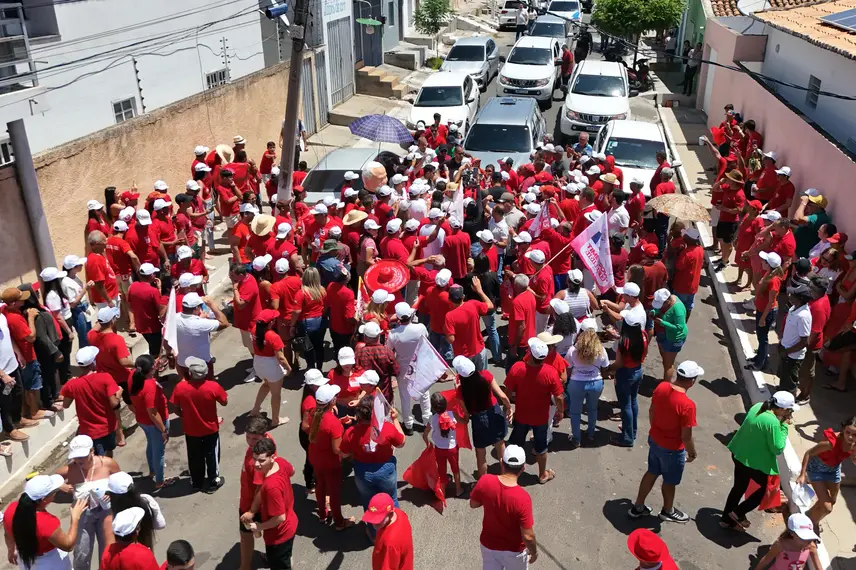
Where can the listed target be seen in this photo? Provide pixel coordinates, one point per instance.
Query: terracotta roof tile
(723, 8)
(804, 22)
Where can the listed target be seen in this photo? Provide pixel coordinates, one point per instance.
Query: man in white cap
(436, 304)
(537, 386)
(521, 320)
(463, 324)
(113, 355)
(403, 341)
(508, 535)
(391, 246)
(199, 153)
(378, 357)
(104, 289)
(144, 240)
(127, 551)
(688, 266)
(124, 261)
(166, 228)
(193, 331)
(670, 440)
(144, 299)
(542, 285)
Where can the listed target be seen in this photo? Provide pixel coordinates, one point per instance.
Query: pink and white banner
(592, 246)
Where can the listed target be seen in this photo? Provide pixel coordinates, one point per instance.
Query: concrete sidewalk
(684, 125)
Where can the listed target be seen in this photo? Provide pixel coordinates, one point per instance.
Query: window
(217, 78)
(390, 8)
(6, 154)
(813, 93)
(125, 109)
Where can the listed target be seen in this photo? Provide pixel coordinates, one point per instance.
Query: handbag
(302, 344)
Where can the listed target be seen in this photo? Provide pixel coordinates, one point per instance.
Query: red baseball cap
(834, 238)
(267, 316)
(380, 506)
(130, 195)
(647, 547)
(756, 204)
(650, 249)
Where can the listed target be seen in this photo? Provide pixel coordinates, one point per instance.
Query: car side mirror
(502, 58)
(470, 99)
(676, 164)
(634, 92)
(557, 62)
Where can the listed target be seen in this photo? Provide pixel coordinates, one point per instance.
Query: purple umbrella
(381, 128)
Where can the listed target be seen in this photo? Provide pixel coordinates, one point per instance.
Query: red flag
(423, 474)
(772, 497)
(462, 434)
(718, 135)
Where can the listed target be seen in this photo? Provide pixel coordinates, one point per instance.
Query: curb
(790, 463)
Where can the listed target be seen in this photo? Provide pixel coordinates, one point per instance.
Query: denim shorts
(666, 462)
(668, 346)
(519, 432)
(104, 444)
(489, 427)
(688, 300)
(31, 376)
(818, 471)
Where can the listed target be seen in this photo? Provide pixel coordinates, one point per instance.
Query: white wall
(792, 59)
(170, 65)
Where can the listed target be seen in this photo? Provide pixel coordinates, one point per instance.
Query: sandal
(548, 476)
(349, 522)
(6, 449)
(834, 388)
(166, 483)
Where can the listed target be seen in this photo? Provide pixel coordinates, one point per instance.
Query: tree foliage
(664, 14)
(629, 18)
(432, 16)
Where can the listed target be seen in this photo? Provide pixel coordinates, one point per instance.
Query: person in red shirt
(22, 330)
(123, 260)
(670, 440)
(688, 266)
(784, 194)
(543, 286)
(127, 552)
(96, 397)
(250, 483)
(733, 201)
(567, 66)
(820, 312)
(657, 178)
(508, 535)
(393, 547)
(245, 303)
(767, 183)
(391, 246)
(229, 197)
(655, 273)
(144, 241)
(521, 320)
(650, 550)
(268, 160)
(434, 137)
(272, 512)
(783, 241)
(166, 228)
(299, 175)
(665, 186)
(463, 324)
(537, 386)
(435, 303)
(96, 219)
(144, 298)
(270, 364)
(750, 225)
(152, 414)
(104, 292)
(456, 249)
(342, 303)
(283, 298)
(195, 401)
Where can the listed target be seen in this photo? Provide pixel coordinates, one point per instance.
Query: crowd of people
(433, 247)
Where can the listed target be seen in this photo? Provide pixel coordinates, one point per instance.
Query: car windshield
(512, 5)
(530, 56)
(440, 97)
(564, 6)
(466, 53)
(599, 86)
(498, 138)
(634, 153)
(548, 30)
(329, 180)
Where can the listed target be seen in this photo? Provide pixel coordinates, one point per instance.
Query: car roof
(636, 130)
(472, 41)
(507, 111)
(535, 41)
(599, 67)
(445, 79)
(549, 19)
(346, 159)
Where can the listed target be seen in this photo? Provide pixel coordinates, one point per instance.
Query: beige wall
(158, 145)
(19, 260)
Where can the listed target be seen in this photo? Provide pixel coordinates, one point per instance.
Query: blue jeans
(491, 335)
(560, 281)
(626, 388)
(500, 259)
(442, 345)
(762, 331)
(315, 328)
(81, 324)
(687, 299)
(579, 393)
(374, 478)
(155, 450)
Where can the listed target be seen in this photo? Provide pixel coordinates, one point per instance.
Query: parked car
(327, 176)
(508, 13)
(532, 69)
(597, 92)
(635, 145)
(553, 27)
(477, 56)
(453, 94)
(566, 8)
(506, 127)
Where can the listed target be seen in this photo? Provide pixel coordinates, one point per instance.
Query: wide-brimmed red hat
(388, 274)
(646, 546)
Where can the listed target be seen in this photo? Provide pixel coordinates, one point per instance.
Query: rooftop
(804, 22)
(729, 7)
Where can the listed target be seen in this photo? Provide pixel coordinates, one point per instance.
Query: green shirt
(674, 321)
(806, 234)
(760, 439)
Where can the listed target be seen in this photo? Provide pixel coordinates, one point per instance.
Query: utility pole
(292, 102)
(224, 45)
(139, 85)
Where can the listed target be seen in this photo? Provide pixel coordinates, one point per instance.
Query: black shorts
(242, 528)
(279, 555)
(726, 231)
(843, 341)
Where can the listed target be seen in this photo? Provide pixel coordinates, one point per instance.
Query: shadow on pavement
(615, 511)
(707, 521)
(231, 560)
(722, 387)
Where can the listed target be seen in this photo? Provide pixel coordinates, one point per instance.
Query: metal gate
(340, 48)
(321, 84)
(307, 98)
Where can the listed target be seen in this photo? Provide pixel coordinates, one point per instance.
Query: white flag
(457, 207)
(380, 414)
(426, 367)
(170, 332)
(592, 246)
(541, 221)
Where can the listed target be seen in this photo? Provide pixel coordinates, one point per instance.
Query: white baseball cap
(328, 201)
(351, 175)
(51, 274)
(633, 318)
(327, 393)
(261, 262)
(384, 190)
(94, 205)
(382, 296)
(398, 179)
(314, 377)
(42, 486)
(772, 258)
(119, 483)
(435, 213)
(80, 446)
(183, 252)
(538, 348)
(318, 210)
(72, 261)
(485, 236)
(784, 171)
(771, 216)
(403, 310)
(370, 224)
(514, 456)
(191, 300)
(199, 150)
(593, 170)
(801, 525)
(143, 217)
(350, 192)
(393, 226)
(161, 185)
(443, 277)
(189, 280)
(630, 289)
(126, 213)
(660, 297)
(588, 324)
(283, 229)
(371, 329)
(530, 197)
(281, 266)
(202, 167)
(771, 155)
(411, 225)
(120, 226)
(125, 523)
(523, 237)
(274, 171)
(811, 192)
(690, 369)
(160, 204)
(148, 269)
(192, 185)
(784, 400)
(532, 208)
(346, 356)
(86, 355)
(369, 377)
(691, 233)
(593, 216)
(575, 275)
(463, 365)
(536, 255)
(108, 314)
(247, 208)
(560, 307)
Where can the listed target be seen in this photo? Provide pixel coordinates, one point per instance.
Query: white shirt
(582, 372)
(819, 248)
(403, 341)
(193, 337)
(498, 229)
(8, 360)
(437, 438)
(514, 217)
(436, 246)
(797, 327)
(637, 308)
(522, 17)
(55, 304)
(618, 218)
(71, 288)
(418, 209)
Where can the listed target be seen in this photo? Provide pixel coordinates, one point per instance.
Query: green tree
(431, 17)
(625, 18)
(664, 14)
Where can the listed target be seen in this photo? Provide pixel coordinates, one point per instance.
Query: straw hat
(354, 217)
(262, 224)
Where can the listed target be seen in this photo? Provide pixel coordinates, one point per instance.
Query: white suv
(597, 92)
(532, 69)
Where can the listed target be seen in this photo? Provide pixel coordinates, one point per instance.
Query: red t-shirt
(628, 360)
(436, 303)
(166, 232)
(820, 311)
(456, 249)
(393, 248)
(309, 308)
(783, 196)
(523, 308)
(561, 264)
(534, 386)
(286, 291)
(93, 224)
(343, 308)
(225, 193)
(732, 199)
(198, 402)
(117, 254)
(91, 394)
(266, 164)
(393, 549)
(667, 187)
(144, 242)
(241, 232)
(250, 479)
(465, 324)
(321, 454)
(260, 245)
(111, 349)
(785, 246)
(151, 396)
(184, 225)
(543, 284)
(688, 266)
(248, 289)
(506, 511)
(348, 383)
(356, 443)
(19, 328)
(132, 556)
(144, 299)
(492, 257)
(277, 498)
(763, 294)
(671, 411)
(98, 270)
(655, 277)
(46, 525)
(272, 343)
